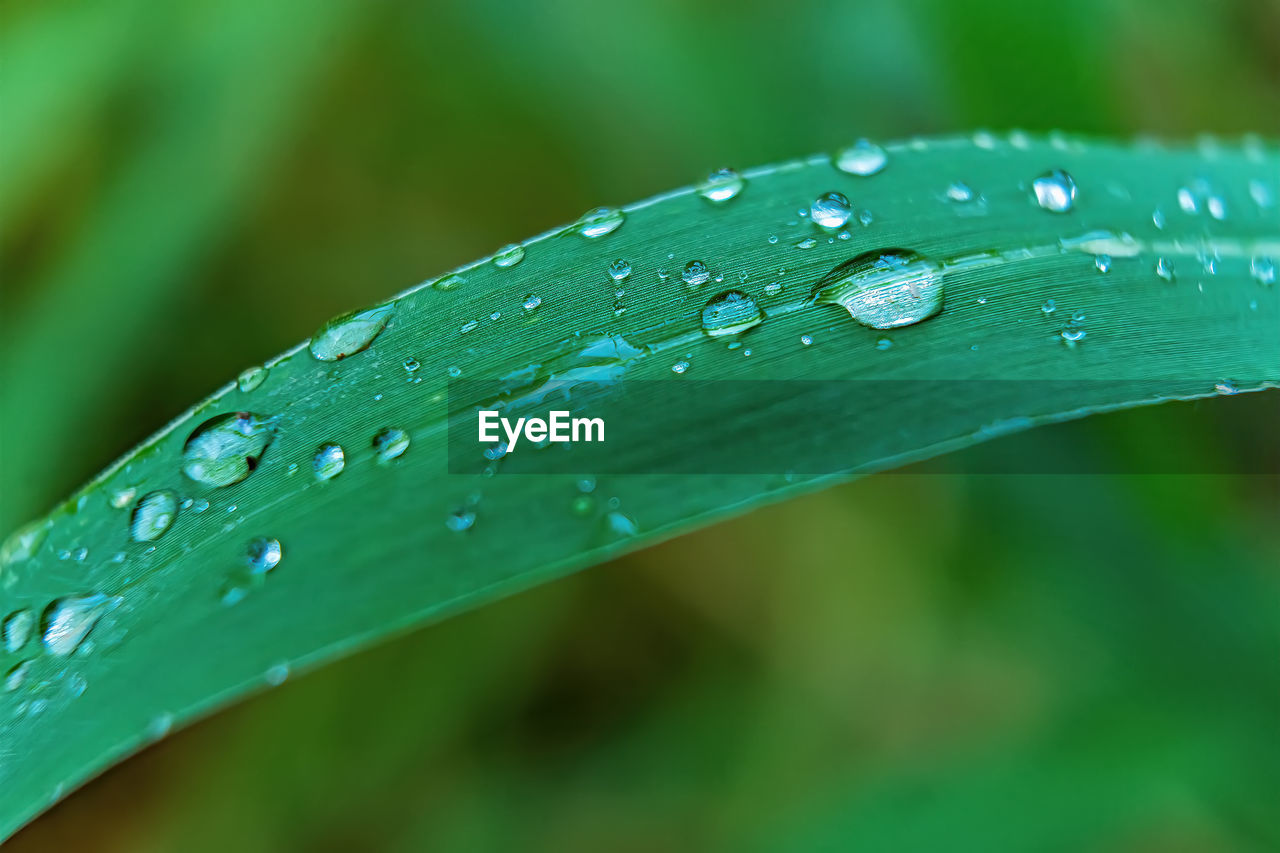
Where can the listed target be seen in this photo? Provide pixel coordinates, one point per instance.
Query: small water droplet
(17, 628)
(390, 443)
(122, 498)
(721, 185)
(680, 366)
(531, 302)
(225, 449)
(695, 273)
(16, 675)
(411, 365)
(1263, 269)
(863, 158)
(67, 621)
(350, 333)
(460, 520)
(508, 256)
(1188, 201)
(328, 461)
(1164, 269)
(276, 674)
(831, 211)
(199, 505)
(1072, 334)
(960, 192)
(865, 218)
(1217, 207)
(773, 288)
(1226, 388)
(806, 340)
(1049, 306)
(730, 313)
(1261, 194)
(599, 222)
(1103, 263)
(1055, 191)
(263, 555)
(159, 725)
(1158, 218)
(251, 378)
(449, 282)
(620, 526)
(807, 243)
(619, 269)
(884, 289)
(153, 515)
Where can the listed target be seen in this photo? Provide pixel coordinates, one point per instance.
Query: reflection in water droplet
(508, 256)
(730, 313)
(1103, 263)
(225, 449)
(67, 621)
(599, 222)
(884, 289)
(721, 185)
(619, 269)
(153, 515)
(328, 461)
(390, 443)
(350, 333)
(250, 378)
(1055, 191)
(17, 628)
(862, 158)
(831, 211)
(263, 555)
(449, 282)
(695, 273)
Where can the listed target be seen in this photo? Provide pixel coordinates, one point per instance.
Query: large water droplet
(509, 256)
(862, 158)
(1055, 191)
(69, 620)
(225, 449)
(619, 269)
(390, 443)
(721, 185)
(17, 628)
(884, 289)
(263, 555)
(695, 274)
(350, 333)
(599, 222)
(250, 378)
(830, 211)
(730, 313)
(328, 461)
(449, 282)
(153, 515)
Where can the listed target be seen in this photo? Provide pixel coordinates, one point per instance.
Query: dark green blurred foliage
(1050, 663)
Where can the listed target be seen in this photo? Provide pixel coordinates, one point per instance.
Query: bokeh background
(909, 662)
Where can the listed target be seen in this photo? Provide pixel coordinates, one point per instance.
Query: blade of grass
(382, 547)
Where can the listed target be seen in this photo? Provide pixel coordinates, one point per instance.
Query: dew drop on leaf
(17, 628)
(599, 222)
(508, 256)
(884, 289)
(225, 449)
(153, 515)
(863, 158)
(695, 274)
(390, 443)
(619, 269)
(349, 334)
(67, 621)
(328, 461)
(1055, 191)
(730, 313)
(251, 378)
(721, 185)
(263, 555)
(831, 211)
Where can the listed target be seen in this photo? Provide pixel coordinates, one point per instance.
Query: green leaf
(126, 618)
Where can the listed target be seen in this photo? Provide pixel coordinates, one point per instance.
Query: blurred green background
(1050, 663)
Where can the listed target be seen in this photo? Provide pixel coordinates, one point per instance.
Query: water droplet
(1226, 388)
(159, 725)
(454, 371)
(1103, 263)
(1188, 201)
(619, 269)
(199, 505)
(695, 273)
(1055, 191)
(532, 302)
(17, 628)
(1263, 269)
(1261, 194)
(509, 256)
(1217, 207)
(276, 674)
(807, 243)
(23, 543)
(411, 365)
(460, 520)
(469, 326)
(830, 211)
(599, 222)
(250, 378)
(122, 498)
(1164, 269)
(862, 158)
(263, 555)
(620, 526)
(721, 185)
(884, 289)
(960, 191)
(773, 288)
(1158, 219)
(350, 333)
(680, 367)
(390, 443)
(807, 340)
(225, 449)
(67, 621)
(1049, 306)
(730, 313)
(449, 282)
(16, 675)
(1072, 334)
(153, 515)
(328, 461)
